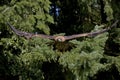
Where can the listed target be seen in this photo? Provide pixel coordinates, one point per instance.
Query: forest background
(93, 58)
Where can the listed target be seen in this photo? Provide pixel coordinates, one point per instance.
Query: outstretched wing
(91, 33)
(29, 35)
(60, 38)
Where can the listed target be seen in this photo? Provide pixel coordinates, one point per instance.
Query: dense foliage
(94, 58)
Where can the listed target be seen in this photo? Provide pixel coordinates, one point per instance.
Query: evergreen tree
(94, 58)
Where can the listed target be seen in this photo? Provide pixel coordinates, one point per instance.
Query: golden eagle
(60, 38)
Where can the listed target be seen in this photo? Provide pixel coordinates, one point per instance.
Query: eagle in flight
(60, 38)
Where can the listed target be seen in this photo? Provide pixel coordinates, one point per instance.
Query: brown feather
(29, 35)
(91, 33)
(60, 38)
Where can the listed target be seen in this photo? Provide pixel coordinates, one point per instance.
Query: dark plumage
(60, 38)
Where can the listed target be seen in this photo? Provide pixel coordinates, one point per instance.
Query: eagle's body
(60, 38)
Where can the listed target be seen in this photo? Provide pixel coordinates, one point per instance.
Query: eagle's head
(60, 38)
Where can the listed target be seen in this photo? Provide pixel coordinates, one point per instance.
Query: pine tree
(20, 57)
(94, 58)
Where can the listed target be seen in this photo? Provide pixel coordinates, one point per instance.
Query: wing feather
(91, 33)
(29, 35)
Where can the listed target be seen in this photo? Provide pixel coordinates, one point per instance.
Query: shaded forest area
(85, 58)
